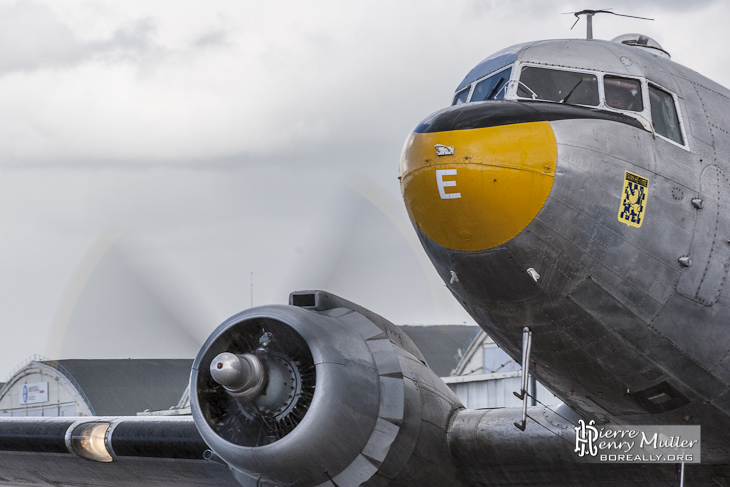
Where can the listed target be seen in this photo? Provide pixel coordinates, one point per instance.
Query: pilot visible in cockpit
(623, 93)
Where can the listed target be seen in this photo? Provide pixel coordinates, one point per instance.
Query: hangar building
(486, 377)
(42, 387)
(481, 375)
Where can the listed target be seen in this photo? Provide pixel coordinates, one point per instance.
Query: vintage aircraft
(574, 200)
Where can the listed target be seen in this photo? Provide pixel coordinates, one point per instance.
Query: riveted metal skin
(624, 330)
(488, 451)
(615, 308)
(378, 416)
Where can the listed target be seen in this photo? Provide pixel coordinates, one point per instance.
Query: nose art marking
(490, 193)
(440, 173)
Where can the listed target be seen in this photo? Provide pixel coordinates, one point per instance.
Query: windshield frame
(600, 75)
(644, 116)
(506, 87)
(516, 84)
(678, 113)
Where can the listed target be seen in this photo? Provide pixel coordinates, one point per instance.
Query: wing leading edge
(156, 452)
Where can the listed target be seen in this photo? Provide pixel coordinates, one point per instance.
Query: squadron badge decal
(633, 200)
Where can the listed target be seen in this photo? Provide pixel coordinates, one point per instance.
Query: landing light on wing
(89, 441)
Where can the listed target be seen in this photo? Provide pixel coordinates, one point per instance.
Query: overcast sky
(153, 155)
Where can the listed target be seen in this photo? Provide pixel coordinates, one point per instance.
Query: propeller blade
(124, 302)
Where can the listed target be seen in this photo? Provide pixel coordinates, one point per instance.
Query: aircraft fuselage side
(623, 219)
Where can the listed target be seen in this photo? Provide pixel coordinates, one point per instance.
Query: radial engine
(321, 392)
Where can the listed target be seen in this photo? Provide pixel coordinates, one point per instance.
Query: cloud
(327, 82)
(629, 7)
(218, 135)
(33, 38)
(212, 38)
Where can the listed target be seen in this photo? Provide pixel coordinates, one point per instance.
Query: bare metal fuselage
(599, 222)
(630, 322)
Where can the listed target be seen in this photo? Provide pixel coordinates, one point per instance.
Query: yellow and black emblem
(633, 202)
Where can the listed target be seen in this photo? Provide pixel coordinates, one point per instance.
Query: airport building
(42, 387)
(441, 344)
(481, 375)
(486, 377)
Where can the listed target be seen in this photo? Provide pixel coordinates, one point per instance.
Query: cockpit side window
(492, 88)
(623, 93)
(558, 86)
(461, 96)
(664, 115)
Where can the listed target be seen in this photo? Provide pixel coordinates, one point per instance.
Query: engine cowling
(346, 398)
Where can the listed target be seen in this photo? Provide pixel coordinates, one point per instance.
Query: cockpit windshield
(651, 105)
(461, 96)
(558, 86)
(492, 88)
(623, 93)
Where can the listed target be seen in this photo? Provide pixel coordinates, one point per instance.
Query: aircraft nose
(474, 189)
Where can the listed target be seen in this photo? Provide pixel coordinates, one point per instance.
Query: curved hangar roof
(94, 387)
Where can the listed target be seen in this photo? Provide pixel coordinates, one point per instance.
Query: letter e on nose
(440, 173)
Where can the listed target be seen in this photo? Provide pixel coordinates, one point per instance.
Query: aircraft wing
(320, 393)
(147, 451)
(485, 446)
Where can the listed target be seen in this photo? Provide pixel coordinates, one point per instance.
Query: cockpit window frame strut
(678, 113)
(473, 84)
(644, 116)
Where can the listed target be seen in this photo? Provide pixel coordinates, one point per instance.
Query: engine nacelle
(347, 399)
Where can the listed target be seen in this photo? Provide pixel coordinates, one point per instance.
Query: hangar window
(623, 93)
(558, 86)
(664, 115)
(492, 88)
(461, 96)
(497, 360)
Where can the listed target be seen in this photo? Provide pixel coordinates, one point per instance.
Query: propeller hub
(241, 375)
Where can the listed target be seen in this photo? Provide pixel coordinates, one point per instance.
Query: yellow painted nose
(487, 191)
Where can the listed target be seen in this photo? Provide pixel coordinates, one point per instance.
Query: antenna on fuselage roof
(589, 18)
